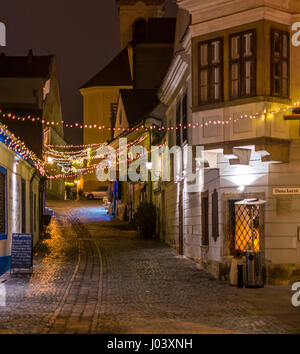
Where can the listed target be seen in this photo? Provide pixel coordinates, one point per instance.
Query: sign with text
(282, 191)
(22, 251)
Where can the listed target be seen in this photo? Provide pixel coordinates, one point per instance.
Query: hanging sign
(281, 191)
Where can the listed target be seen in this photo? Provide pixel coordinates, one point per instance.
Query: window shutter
(215, 216)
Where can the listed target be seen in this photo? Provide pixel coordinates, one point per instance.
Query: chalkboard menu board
(21, 251)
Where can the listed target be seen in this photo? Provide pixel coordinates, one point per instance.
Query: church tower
(133, 16)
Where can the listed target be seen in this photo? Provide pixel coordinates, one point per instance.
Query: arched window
(139, 29)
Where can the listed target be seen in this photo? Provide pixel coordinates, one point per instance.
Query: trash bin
(254, 271)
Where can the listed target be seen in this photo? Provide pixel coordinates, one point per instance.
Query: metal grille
(242, 228)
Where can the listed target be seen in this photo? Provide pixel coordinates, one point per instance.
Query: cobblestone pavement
(93, 275)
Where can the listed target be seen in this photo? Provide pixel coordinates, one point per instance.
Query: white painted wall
(17, 169)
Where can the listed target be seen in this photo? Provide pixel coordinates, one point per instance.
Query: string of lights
(17, 145)
(91, 169)
(153, 127)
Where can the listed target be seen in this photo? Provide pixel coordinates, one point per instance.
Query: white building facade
(20, 208)
(241, 73)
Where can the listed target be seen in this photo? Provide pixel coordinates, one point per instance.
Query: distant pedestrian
(68, 192)
(74, 194)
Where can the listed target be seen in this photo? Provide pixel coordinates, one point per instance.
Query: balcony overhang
(238, 152)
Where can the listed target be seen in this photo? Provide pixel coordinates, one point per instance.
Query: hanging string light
(17, 145)
(230, 120)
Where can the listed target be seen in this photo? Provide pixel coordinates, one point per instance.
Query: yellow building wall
(97, 111)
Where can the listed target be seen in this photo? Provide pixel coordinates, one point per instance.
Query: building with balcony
(244, 78)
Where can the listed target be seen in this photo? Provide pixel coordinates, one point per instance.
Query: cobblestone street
(92, 275)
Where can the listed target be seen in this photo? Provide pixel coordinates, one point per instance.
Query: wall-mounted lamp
(242, 188)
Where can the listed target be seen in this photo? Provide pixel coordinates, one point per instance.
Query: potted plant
(145, 219)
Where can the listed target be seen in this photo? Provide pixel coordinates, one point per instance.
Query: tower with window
(133, 18)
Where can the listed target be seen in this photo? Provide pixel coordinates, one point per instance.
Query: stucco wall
(16, 170)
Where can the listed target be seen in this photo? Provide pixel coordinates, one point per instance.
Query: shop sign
(22, 251)
(285, 191)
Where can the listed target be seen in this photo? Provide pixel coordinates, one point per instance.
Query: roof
(116, 73)
(138, 103)
(25, 66)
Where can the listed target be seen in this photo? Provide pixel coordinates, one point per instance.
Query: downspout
(31, 200)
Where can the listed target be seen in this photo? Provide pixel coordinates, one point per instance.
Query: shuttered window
(205, 220)
(215, 215)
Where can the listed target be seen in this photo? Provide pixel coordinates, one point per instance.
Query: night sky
(84, 35)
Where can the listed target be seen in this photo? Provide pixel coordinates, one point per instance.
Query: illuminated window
(242, 237)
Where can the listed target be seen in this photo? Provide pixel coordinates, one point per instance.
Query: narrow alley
(94, 275)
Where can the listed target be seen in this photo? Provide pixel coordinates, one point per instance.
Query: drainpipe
(31, 200)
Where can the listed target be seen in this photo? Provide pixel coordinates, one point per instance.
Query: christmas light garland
(18, 146)
(153, 127)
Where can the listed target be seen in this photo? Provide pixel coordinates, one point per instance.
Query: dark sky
(84, 35)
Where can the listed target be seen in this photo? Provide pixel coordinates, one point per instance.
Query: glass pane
(277, 86)
(216, 52)
(216, 75)
(284, 70)
(248, 78)
(234, 71)
(204, 54)
(203, 77)
(216, 92)
(285, 90)
(235, 88)
(248, 44)
(248, 85)
(277, 69)
(276, 43)
(284, 46)
(203, 94)
(248, 69)
(235, 45)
